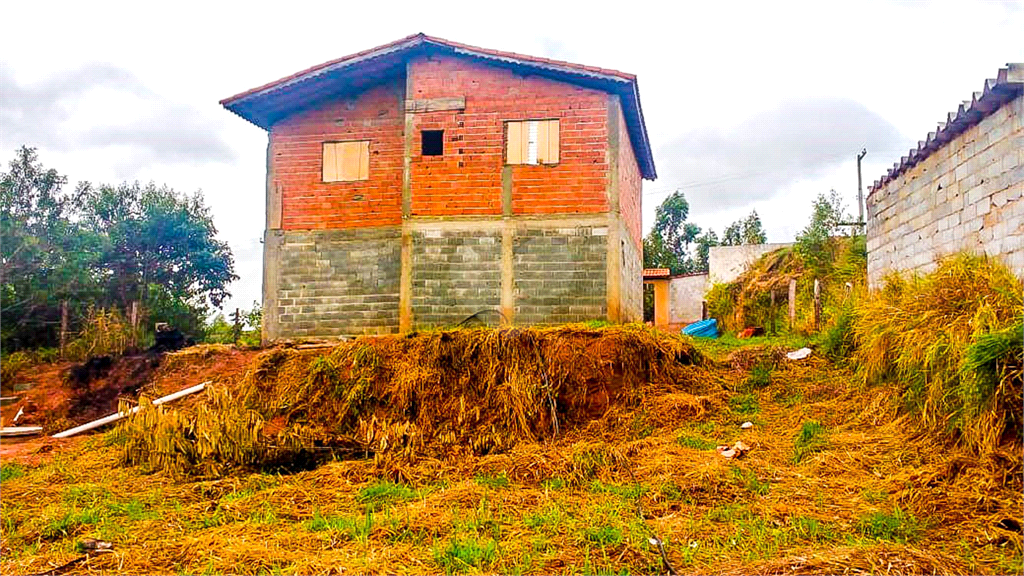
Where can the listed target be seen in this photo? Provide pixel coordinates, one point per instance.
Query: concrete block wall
(560, 274)
(455, 274)
(336, 282)
(965, 196)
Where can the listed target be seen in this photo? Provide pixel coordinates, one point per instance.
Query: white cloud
(139, 87)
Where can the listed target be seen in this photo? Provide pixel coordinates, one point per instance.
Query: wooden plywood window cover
(532, 142)
(346, 161)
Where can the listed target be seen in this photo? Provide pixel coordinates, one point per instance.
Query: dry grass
(878, 495)
(950, 342)
(401, 398)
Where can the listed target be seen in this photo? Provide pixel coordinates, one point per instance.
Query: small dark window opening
(433, 142)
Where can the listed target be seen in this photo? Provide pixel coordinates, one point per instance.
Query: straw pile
(432, 394)
(951, 341)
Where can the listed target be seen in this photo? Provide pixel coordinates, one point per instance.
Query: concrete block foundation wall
(334, 282)
(965, 196)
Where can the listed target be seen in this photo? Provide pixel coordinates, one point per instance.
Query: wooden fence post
(771, 310)
(817, 305)
(133, 317)
(792, 304)
(63, 326)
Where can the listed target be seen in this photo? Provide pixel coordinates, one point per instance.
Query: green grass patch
(745, 403)
(554, 484)
(749, 481)
(603, 535)
(811, 529)
(897, 526)
(69, 524)
(549, 517)
(629, 491)
(469, 554)
(10, 472)
(382, 493)
(355, 528)
(492, 481)
(809, 440)
(760, 377)
(695, 442)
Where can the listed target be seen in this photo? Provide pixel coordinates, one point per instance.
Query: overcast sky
(749, 106)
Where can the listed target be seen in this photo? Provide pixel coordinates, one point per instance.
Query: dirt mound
(64, 394)
(478, 391)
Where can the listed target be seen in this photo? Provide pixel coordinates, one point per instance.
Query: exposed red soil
(55, 403)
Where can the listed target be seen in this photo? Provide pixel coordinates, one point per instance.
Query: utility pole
(860, 191)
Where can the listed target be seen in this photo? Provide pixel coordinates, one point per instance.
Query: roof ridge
(1009, 81)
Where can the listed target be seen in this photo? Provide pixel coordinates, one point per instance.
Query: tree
(668, 243)
(746, 231)
(102, 246)
(704, 244)
(44, 256)
(816, 242)
(753, 231)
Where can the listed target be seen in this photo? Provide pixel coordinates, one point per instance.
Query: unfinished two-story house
(424, 181)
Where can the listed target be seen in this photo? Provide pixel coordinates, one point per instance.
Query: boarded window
(531, 142)
(346, 161)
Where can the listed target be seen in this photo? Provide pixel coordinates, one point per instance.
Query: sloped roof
(265, 105)
(1008, 83)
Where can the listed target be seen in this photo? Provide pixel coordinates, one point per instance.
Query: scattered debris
(21, 412)
(799, 354)
(702, 329)
(747, 425)
(64, 567)
(115, 417)
(169, 339)
(94, 545)
(20, 431)
(736, 450)
(751, 332)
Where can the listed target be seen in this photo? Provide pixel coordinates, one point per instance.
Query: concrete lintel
(495, 223)
(435, 104)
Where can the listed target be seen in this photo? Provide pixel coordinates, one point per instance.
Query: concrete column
(272, 238)
(405, 278)
(614, 263)
(508, 298)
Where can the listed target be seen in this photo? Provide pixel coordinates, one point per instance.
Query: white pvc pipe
(21, 431)
(119, 415)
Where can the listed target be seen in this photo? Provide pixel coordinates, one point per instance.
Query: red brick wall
(297, 148)
(467, 179)
(629, 186)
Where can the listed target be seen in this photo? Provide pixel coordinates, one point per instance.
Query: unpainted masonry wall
(455, 275)
(560, 274)
(338, 282)
(966, 196)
